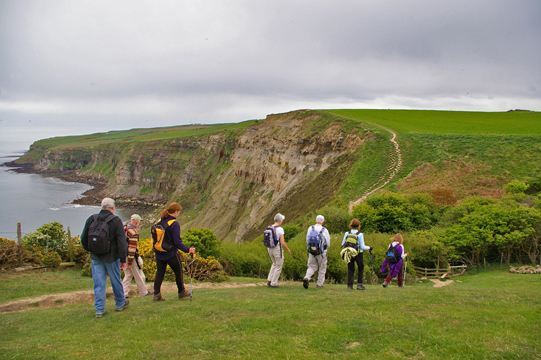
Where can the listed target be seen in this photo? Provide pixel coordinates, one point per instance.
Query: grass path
(395, 163)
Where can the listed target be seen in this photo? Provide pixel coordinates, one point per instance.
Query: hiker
(171, 258)
(353, 244)
(103, 235)
(318, 242)
(134, 267)
(395, 260)
(276, 254)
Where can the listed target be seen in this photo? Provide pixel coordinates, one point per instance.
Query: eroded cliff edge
(232, 180)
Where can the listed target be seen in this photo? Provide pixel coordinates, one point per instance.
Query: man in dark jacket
(108, 261)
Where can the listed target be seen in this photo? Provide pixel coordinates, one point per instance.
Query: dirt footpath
(87, 296)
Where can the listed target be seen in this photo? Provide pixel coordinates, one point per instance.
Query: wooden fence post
(20, 248)
(70, 248)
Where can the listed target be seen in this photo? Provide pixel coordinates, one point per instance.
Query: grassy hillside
(489, 315)
(450, 122)
(470, 153)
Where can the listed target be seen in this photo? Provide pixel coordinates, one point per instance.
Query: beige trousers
(135, 273)
(277, 258)
(313, 263)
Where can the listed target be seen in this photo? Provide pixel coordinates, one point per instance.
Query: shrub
(336, 219)
(516, 187)
(48, 237)
(290, 231)
(9, 252)
(205, 242)
(52, 259)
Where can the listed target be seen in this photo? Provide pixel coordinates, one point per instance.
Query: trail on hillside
(87, 296)
(395, 163)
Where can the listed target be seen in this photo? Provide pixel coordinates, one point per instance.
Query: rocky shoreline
(94, 195)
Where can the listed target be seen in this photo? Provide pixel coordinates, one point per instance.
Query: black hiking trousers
(176, 265)
(359, 260)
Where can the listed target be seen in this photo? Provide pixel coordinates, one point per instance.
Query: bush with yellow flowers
(9, 252)
(204, 269)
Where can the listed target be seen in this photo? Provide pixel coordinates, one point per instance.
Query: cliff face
(232, 182)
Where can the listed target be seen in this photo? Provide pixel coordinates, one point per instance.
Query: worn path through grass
(493, 315)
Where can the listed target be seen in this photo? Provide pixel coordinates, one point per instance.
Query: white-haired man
(134, 267)
(276, 253)
(318, 242)
(103, 235)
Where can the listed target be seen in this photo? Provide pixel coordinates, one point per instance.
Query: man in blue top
(315, 261)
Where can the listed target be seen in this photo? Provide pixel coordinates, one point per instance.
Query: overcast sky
(73, 67)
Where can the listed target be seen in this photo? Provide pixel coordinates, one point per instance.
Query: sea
(35, 200)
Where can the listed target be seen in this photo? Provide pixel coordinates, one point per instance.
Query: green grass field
(449, 122)
(493, 315)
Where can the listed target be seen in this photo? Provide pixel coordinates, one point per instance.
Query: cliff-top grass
(449, 122)
(492, 314)
(150, 134)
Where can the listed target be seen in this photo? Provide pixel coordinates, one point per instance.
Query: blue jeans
(99, 275)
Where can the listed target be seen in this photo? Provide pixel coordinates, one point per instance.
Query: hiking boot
(99, 315)
(158, 297)
(126, 304)
(149, 293)
(401, 286)
(274, 286)
(385, 283)
(360, 287)
(350, 287)
(319, 286)
(305, 283)
(268, 283)
(184, 293)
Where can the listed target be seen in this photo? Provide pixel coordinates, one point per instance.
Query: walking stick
(372, 265)
(191, 278)
(405, 270)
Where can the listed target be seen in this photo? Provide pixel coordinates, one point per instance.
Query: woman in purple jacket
(171, 258)
(395, 260)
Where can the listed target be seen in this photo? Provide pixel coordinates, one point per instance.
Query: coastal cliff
(229, 179)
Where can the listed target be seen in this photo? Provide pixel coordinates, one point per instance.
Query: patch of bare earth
(438, 283)
(87, 296)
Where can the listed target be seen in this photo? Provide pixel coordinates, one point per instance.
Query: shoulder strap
(110, 217)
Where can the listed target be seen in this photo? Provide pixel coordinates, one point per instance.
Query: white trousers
(315, 262)
(135, 273)
(277, 258)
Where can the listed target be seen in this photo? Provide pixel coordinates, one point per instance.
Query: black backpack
(98, 235)
(392, 254)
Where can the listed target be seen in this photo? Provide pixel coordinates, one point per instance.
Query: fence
(440, 272)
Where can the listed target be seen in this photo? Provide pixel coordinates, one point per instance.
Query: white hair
(279, 218)
(320, 219)
(107, 204)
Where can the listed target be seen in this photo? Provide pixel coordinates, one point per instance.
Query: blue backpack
(392, 255)
(315, 242)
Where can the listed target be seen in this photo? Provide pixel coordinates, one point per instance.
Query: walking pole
(191, 278)
(372, 264)
(405, 269)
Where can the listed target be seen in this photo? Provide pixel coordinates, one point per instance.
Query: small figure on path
(318, 242)
(273, 239)
(395, 259)
(134, 268)
(353, 244)
(103, 235)
(163, 258)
